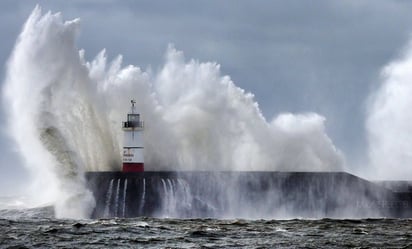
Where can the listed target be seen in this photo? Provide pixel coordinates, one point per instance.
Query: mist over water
(65, 115)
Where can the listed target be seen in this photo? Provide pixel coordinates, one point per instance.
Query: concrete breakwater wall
(267, 195)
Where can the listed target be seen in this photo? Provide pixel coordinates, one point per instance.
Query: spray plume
(64, 114)
(388, 122)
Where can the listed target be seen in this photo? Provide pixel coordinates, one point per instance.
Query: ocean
(36, 228)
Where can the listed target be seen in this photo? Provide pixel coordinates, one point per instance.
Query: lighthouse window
(133, 117)
(133, 120)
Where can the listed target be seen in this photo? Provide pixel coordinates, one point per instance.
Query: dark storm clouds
(295, 56)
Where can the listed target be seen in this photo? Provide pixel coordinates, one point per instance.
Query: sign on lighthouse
(133, 146)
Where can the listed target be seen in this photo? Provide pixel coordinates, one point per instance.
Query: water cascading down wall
(244, 195)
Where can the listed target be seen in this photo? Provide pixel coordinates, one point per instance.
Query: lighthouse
(133, 146)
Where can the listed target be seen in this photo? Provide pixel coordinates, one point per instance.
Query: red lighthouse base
(133, 167)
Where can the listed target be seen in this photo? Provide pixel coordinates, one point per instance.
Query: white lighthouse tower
(133, 146)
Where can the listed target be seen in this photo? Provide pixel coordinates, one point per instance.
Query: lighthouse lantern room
(133, 146)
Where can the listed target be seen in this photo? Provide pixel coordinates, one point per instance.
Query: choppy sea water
(35, 228)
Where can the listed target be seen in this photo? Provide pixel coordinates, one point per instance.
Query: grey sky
(295, 56)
